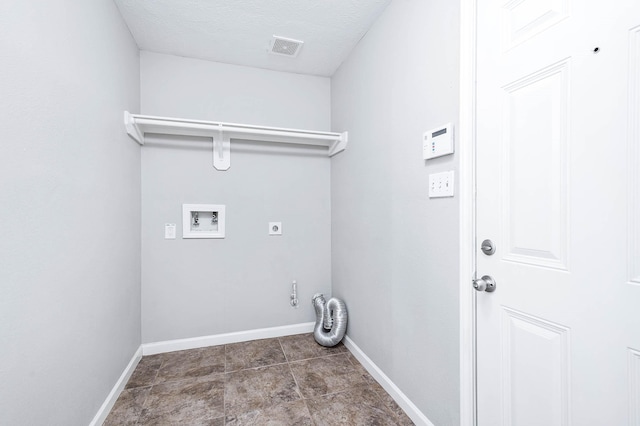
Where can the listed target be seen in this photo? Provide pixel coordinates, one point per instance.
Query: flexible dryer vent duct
(331, 320)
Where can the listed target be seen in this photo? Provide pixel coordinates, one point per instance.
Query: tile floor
(283, 381)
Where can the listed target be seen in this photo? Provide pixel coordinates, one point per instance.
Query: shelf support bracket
(132, 130)
(339, 145)
(221, 151)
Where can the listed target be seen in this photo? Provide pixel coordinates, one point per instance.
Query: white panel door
(558, 160)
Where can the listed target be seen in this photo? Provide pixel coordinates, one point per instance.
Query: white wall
(70, 209)
(394, 250)
(201, 287)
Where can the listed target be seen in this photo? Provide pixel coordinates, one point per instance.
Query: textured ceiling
(239, 31)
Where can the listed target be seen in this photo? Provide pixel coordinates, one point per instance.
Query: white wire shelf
(222, 133)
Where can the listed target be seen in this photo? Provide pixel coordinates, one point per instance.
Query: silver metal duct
(331, 320)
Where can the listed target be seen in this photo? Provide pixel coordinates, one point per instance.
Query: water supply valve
(294, 294)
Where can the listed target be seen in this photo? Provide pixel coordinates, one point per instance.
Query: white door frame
(467, 182)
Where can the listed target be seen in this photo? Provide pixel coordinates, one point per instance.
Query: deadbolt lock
(488, 247)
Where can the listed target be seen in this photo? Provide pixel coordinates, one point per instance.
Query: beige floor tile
(289, 413)
(253, 354)
(257, 389)
(128, 407)
(145, 372)
(196, 363)
(358, 406)
(185, 402)
(304, 346)
(321, 376)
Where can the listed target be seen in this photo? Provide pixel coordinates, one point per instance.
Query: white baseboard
(106, 407)
(401, 399)
(223, 339)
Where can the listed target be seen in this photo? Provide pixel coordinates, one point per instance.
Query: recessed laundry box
(203, 220)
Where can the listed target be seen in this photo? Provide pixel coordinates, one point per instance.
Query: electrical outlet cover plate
(441, 184)
(169, 231)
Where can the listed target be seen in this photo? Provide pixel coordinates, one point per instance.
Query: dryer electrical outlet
(437, 142)
(275, 228)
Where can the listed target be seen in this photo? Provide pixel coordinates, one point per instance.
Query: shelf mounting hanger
(221, 150)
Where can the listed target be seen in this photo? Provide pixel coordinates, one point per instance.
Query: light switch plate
(441, 184)
(275, 228)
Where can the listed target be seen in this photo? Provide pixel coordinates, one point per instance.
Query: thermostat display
(439, 132)
(437, 142)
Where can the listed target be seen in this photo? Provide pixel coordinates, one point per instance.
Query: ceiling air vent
(285, 46)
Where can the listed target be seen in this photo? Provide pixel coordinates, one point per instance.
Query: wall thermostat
(437, 142)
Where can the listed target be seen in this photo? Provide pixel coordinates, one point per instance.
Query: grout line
(388, 410)
(295, 380)
(318, 357)
(144, 403)
(224, 389)
(349, 389)
(309, 411)
(258, 367)
(283, 351)
(155, 377)
(299, 390)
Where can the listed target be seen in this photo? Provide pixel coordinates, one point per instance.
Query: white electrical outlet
(169, 231)
(441, 184)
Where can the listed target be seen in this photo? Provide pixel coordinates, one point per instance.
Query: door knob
(486, 283)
